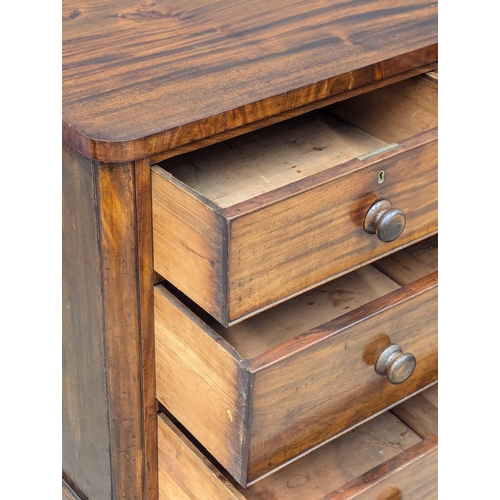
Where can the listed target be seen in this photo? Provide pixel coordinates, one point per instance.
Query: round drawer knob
(384, 221)
(398, 366)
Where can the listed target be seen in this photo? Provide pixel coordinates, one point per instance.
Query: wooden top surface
(143, 78)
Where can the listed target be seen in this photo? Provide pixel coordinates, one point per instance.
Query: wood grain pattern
(108, 382)
(272, 120)
(145, 275)
(190, 242)
(290, 319)
(306, 397)
(135, 75)
(256, 414)
(266, 219)
(321, 219)
(257, 163)
(402, 267)
(419, 415)
(116, 205)
(201, 382)
(414, 473)
(85, 436)
(396, 112)
(184, 473)
(338, 462)
(372, 461)
(238, 170)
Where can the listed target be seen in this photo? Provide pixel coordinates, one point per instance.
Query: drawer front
(257, 413)
(236, 259)
(317, 234)
(383, 459)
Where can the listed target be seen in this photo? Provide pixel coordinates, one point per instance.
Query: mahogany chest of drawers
(249, 250)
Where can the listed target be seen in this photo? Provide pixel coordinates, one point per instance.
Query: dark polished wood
(135, 75)
(145, 81)
(109, 447)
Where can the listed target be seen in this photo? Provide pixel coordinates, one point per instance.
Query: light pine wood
(238, 170)
(184, 473)
(409, 475)
(372, 461)
(338, 462)
(419, 414)
(402, 267)
(189, 242)
(201, 382)
(255, 414)
(395, 112)
(408, 265)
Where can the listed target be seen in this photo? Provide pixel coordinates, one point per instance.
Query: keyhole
(381, 176)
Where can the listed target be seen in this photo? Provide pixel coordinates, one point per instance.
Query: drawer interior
(287, 320)
(242, 168)
(352, 461)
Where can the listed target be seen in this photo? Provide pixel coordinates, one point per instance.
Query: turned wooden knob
(384, 221)
(398, 366)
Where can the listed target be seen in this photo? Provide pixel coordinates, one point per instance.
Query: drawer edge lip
(385, 470)
(338, 325)
(332, 174)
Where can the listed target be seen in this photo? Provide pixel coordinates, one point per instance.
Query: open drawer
(265, 391)
(391, 457)
(242, 225)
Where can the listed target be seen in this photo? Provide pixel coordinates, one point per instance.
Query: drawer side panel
(189, 243)
(200, 382)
